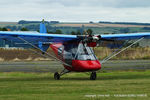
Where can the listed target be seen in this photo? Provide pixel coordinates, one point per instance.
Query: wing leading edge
(130, 36)
(35, 37)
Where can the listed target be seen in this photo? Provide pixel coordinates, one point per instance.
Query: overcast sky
(76, 10)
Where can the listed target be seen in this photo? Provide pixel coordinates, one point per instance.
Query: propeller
(90, 39)
(94, 38)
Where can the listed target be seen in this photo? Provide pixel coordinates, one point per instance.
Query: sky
(76, 10)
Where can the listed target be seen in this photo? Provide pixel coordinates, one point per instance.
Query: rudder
(42, 27)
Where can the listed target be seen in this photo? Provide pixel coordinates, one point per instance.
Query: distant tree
(4, 29)
(38, 30)
(78, 32)
(0, 29)
(106, 33)
(58, 31)
(89, 31)
(73, 33)
(49, 32)
(91, 22)
(24, 29)
(113, 33)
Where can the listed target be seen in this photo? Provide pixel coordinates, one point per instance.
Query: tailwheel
(56, 76)
(93, 76)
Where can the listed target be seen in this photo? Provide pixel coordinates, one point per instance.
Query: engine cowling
(92, 44)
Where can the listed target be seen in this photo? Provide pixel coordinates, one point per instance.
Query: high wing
(35, 37)
(129, 36)
(119, 40)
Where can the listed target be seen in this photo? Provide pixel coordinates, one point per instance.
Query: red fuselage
(84, 66)
(77, 65)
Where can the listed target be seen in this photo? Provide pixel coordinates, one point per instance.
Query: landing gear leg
(57, 75)
(93, 76)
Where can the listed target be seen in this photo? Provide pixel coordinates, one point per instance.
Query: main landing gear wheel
(93, 76)
(56, 76)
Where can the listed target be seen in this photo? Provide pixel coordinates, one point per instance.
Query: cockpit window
(79, 51)
(85, 53)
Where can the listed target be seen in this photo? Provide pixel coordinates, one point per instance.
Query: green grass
(73, 86)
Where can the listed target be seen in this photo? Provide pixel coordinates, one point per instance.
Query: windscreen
(85, 53)
(78, 51)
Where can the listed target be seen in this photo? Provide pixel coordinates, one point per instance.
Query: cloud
(77, 3)
(101, 3)
(133, 3)
(75, 10)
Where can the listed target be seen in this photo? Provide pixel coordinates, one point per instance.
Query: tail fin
(42, 27)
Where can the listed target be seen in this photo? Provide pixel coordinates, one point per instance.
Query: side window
(70, 50)
(60, 52)
(67, 54)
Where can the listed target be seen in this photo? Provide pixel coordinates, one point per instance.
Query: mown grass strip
(73, 86)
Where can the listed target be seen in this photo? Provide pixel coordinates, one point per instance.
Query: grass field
(75, 86)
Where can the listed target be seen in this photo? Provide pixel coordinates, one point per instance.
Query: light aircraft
(73, 51)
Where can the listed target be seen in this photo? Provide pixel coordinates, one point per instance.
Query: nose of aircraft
(87, 65)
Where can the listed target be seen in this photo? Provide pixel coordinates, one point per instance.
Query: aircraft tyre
(93, 76)
(56, 76)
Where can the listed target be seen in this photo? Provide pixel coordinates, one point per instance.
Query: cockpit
(79, 56)
(78, 51)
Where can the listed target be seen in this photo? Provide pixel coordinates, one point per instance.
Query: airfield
(33, 80)
(22, 77)
(53, 66)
